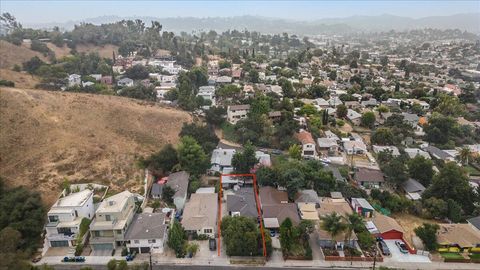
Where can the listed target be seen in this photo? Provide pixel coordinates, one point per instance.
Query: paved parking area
(398, 256)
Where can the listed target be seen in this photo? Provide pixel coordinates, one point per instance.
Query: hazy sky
(62, 11)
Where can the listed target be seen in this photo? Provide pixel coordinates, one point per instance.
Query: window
(119, 231)
(136, 241)
(96, 233)
(152, 241)
(207, 231)
(53, 218)
(108, 218)
(66, 231)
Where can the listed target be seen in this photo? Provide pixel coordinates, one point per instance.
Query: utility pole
(151, 259)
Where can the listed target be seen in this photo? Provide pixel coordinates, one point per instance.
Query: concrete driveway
(398, 256)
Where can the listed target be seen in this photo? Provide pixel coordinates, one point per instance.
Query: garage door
(144, 250)
(102, 246)
(59, 243)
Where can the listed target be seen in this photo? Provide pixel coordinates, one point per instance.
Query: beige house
(200, 214)
(111, 222)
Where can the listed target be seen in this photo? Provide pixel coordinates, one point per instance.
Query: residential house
(108, 80)
(362, 207)
(65, 216)
(112, 218)
(322, 103)
(413, 189)
(74, 80)
(125, 82)
(438, 153)
(156, 192)
(328, 144)
(459, 235)
(413, 152)
(336, 173)
(200, 214)
(242, 203)
(353, 147)
(208, 94)
(308, 144)
(148, 232)
(223, 80)
(335, 204)
(354, 117)
(411, 118)
(392, 149)
(308, 202)
(370, 103)
(369, 178)
(352, 105)
(387, 227)
(221, 160)
(276, 208)
(275, 116)
(237, 112)
(178, 181)
(474, 222)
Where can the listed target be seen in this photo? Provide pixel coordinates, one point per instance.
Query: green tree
(450, 106)
(245, 160)
(353, 222)
(216, 116)
(294, 179)
(32, 65)
(368, 119)
(177, 239)
(421, 169)
(382, 136)
(266, 176)
(452, 183)
(203, 134)
(137, 72)
(395, 171)
(464, 155)
(122, 265)
(428, 234)
(435, 208)
(162, 161)
(287, 88)
(112, 264)
(295, 151)
(342, 111)
(139, 92)
(167, 194)
(287, 234)
(332, 224)
(191, 156)
(241, 236)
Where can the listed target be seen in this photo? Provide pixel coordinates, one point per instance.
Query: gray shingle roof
(412, 186)
(475, 221)
(179, 182)
(147, 226)
(242, 201)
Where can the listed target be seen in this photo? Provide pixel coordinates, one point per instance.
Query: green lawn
(475, 256)
(471, 170)
(451, 255)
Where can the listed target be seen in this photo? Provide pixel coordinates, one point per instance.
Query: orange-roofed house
(422, 120)
(308, 144)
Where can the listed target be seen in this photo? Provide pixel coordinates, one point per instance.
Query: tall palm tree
(464, 155)
(353, 222)
(334, 225)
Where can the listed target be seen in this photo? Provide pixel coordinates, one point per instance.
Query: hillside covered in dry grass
(47, 137)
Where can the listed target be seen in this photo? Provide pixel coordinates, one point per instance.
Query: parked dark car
(74, 259)
(401, 246)
(384, 248)
(212, 244)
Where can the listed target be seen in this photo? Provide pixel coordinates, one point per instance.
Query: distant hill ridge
(466, 22)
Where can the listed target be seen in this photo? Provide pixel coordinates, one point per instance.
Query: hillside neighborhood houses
(354, 150)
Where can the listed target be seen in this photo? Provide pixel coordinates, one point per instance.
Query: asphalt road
(201, 267)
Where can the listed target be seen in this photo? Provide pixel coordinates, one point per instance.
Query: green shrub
(79, 249)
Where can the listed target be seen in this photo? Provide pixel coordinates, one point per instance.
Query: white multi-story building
(207, 93)
(65, 216)
(111, 222)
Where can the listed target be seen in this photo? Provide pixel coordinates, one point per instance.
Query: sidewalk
(163, 260)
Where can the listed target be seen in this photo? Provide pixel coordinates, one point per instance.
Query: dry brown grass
(60, 52)
(11, 54)
(409, 223)
(21, 79)
(105, 51)
(47, 136)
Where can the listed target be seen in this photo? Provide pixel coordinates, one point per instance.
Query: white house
(125, 82)
(354, 117)
(308, 144)
(74, 80)
(207, 93)
(65, 216)
(148, 232)
(237, 112)
(112, 218)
